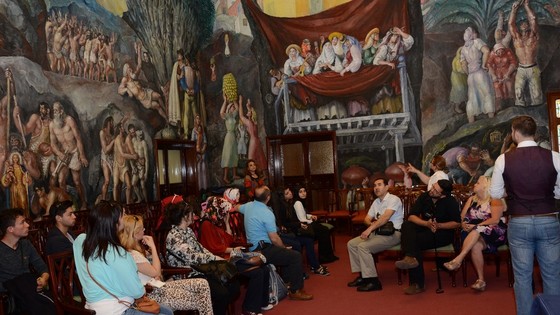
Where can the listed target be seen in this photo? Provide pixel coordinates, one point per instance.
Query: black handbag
(386, 229)
(222, 270)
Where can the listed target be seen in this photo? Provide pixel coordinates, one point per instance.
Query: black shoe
(359, 281)
(370, 286)
(305, 276)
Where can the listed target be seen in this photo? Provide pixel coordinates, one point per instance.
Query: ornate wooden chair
(65, 285)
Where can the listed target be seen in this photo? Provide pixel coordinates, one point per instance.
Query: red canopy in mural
(355, 18)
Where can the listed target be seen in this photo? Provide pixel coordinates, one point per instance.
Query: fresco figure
(66, 144)
(49, 39)
(108, 55)
(307, 54)
(38, 127)
(255, 151)
(371, 43)
(501, 67)
(391, 53)
(480, 90)
(295, 65)
(276, 81)
(242, 141)
(121, 169)
(466, 165)
(458, 94)
(45, 197)
(327, 61)
(107, 140)
(189, 86)
(4, 118)
(353, 58)
(500, 35)
(149, 98)
(199, 137)
(59, 38)
(175, 97)
(526, 44)
(337, 40)
(17, 180)
(139, 166)
(229, 113)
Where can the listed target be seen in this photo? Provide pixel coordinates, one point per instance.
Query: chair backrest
(65, 285)
(38, 237)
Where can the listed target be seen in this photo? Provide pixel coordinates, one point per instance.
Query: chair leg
(464, 267)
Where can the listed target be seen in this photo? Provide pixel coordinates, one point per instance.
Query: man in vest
(529, 176)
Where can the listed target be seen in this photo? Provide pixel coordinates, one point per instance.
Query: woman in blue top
(102, 261)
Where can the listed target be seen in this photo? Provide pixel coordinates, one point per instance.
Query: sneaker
(300, 295)
(268, 307)
(413, 289)
(321, 271)
(408, 262)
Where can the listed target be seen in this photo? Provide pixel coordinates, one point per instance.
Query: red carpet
(332, 296)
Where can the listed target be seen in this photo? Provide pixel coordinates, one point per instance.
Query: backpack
(277, 288)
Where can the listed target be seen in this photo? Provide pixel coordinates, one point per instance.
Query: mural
(86, 86)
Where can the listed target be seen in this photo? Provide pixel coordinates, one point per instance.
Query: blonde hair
(132, 224)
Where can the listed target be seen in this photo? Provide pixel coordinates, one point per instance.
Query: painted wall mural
(86, 86)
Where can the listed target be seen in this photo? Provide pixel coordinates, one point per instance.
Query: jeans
(163, 310)
(531, 236)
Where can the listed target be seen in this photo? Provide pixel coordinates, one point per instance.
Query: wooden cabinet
(305, 159)
(553, 102)
(175, 168)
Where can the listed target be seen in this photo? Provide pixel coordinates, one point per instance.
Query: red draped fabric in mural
(355, 18)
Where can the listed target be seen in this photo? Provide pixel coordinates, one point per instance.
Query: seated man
(16, 255)
(260, 227)
(431, 224)
(60, 239)
(387, 207)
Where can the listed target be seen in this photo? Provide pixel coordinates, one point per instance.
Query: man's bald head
(262, 194)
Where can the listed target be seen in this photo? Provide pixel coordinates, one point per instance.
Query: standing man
(387, 207)
(532, 191)
(526, 44)
(17, 254)
(66, 144)
(60, 239)
(260, 226)
(121, 168)
(431, 224)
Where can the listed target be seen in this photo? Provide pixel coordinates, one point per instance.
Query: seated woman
(437, 165)
(253, 178)
(184, 294)
(183, 250)
(483, 227)
(106, 270)
(216, 235)
(321, 232)
(292, 224)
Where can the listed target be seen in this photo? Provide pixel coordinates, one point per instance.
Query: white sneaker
(268, 307)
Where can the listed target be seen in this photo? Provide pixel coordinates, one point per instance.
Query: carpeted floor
(332, 296)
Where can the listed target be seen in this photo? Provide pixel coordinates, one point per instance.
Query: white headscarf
(469, 36)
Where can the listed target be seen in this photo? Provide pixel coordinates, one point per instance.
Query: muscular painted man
(66, 144)
(38, 127)
(107, 139)
(149, 98)
(140, 165)
(121, 169)
(526, 44)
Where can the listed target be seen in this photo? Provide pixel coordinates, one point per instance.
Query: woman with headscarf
(327, 61)
(216, 236)
(321, 232)
(337, 39)
(371, 43)
(295, 64)
(353, 58)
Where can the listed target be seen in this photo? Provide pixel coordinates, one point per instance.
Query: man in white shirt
(387, 207)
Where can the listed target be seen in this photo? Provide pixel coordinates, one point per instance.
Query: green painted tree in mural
(481, 13)
(164, 26)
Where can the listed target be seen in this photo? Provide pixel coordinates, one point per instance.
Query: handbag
(386, 229)
(143, 304)
(222, 270)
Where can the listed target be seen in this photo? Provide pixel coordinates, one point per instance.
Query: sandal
(479, 285)
(452, 265)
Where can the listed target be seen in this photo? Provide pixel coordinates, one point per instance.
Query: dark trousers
(257, 288)
(414, 240)
(221, 294)
(323, 237)
(289, 260)
(296, 242)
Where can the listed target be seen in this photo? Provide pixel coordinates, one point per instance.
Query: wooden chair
(501, 254)
(160, 237)
(65, 285)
